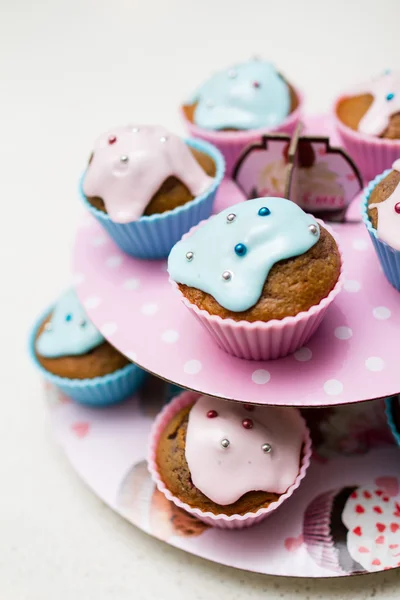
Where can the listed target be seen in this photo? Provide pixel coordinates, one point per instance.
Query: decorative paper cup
(395, 429)
(371, 154)
(221, 520)
(152, 237)
(232, 143)
(388, 256)
(317, 532)
(99, 391)
(261, 340)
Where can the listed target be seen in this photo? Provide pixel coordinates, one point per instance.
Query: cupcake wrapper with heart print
(395, 429)
(152, 237)
(232, 143)
(388, 257)
(371, 154)
(317, 533)
(99, 391)
(264, 340)
(222, 521)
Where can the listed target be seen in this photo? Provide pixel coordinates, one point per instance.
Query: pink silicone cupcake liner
(221, 520)
(232, 143)
(317, 532)
(261, 340)
(371, 154)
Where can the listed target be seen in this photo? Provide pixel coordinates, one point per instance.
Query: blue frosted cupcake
(381, 215)
(73, 355)
(393, 416)
(147, 187)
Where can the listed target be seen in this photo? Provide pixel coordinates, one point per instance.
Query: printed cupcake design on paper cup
(355, 529)
(144, 505)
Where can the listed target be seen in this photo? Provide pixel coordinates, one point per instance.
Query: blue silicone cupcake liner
(99, 391)
(390, 418)
(388, 257)
(152, 237)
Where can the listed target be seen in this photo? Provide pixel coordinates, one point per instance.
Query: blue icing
(70, 332)
(248, 96)
(236, 280)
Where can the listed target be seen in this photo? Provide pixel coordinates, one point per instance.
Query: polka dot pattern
(343, 333)
(140, 311)
(260, 376)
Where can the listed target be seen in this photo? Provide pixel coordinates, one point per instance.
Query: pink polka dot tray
(344, 519)
(352, 357)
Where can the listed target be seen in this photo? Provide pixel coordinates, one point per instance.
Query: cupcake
(239, 105)
(147, 187)
(229, 464)
(393, 416)
(381, 214)
(259, 276)
(73, 355)
(368, 121)
(354, 530)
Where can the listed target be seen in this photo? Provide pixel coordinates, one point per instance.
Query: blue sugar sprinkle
(68, 317)
(390, 96)
(240, 249)
(264, 211)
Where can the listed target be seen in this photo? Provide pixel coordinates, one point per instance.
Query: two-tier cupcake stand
(341, 379)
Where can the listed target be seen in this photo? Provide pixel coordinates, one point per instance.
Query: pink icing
(372, 518)
(388, 218)
(225, 474)
(376, 119)
(150, 154)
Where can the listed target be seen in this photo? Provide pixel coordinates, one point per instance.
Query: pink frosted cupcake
(227, 463)
(259, 276)
(368, 121)
(354, 530)
(238, 105)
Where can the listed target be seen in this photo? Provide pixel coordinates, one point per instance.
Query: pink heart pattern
(294, 543)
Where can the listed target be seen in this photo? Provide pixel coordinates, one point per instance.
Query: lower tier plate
(353, 447)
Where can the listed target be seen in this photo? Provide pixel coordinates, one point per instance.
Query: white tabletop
(68, 70)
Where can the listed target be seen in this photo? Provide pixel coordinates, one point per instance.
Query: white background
(69, 70)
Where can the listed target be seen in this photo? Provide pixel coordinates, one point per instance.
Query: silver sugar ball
(189, 256)
(227, 275)
(124, 158)
(266, 448)
(313, 229)
(231, 217)
(225, 443)
(164, 139)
